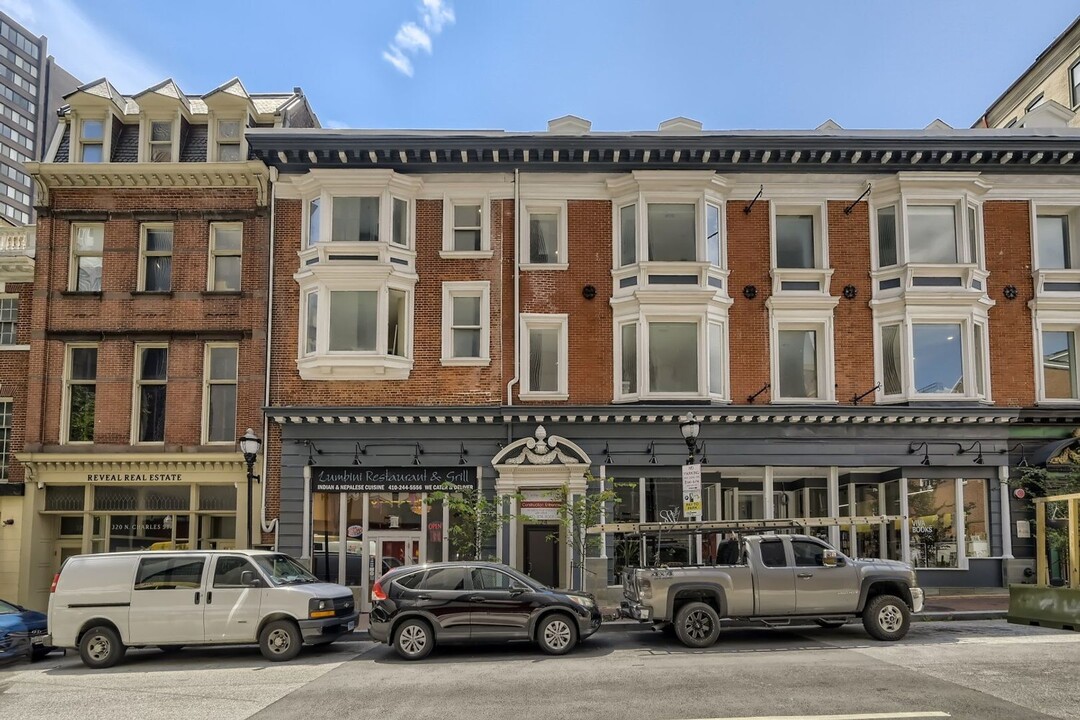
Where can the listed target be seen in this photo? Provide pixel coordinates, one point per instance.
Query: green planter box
(1054, 607)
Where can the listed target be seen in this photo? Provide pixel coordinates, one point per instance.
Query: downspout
(517, 287)
(272, 524)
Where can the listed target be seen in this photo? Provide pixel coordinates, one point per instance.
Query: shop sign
(1023, 529)
(134, 477)
(434, 532)
(392, 479)
(539, 505)
(691, 489)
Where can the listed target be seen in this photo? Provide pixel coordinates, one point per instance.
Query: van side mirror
(248, 578)
(828, 558)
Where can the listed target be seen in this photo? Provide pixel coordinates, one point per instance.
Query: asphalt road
(974, 670)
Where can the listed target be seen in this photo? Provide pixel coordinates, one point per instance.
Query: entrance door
(541, 554)
(391, 552)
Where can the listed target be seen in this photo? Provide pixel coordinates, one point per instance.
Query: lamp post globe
(690, 427)
(249, 444)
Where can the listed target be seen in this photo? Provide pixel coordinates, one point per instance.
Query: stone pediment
(541, 450)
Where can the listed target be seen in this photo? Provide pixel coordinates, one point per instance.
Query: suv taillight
(55, 579)
(377, 593)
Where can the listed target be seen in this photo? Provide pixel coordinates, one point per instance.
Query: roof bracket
(750, 207)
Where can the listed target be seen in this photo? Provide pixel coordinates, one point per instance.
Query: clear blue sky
(624, 65)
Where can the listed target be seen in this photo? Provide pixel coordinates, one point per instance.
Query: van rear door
(167, 599)
(231, 611)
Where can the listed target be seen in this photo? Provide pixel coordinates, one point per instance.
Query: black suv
(416, 606)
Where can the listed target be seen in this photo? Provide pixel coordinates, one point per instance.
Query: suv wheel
(886, 617)
(697, 625)
(100, 647)
(414, 639)
(557, 634)
(280, 640)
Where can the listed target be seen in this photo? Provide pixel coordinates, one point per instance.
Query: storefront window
(625, 548)
(68, 499)
(436, 531)
(354, 539)
(976, 527)
(663, 503)
(932, 513)
(325, 538)
(395, 511)
(893, 539)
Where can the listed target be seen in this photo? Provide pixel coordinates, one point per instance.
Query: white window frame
(144, 254)
(451, 290)
(644, 348)
(538, 321)
(670, 198)
(385, 194)
(136, 385)
(211, 268)
(81, 142)
(826, 371)
(174, 138)
(448, 251)
(970, 355)
(544, 208)
(75, 254)
(1060, 323)
(819, 214)
(961, 207)
(65, 410)
(217, 141)
(618, 393)
(7, 450)
(18, 308)
(1072, 212)
(208, 382)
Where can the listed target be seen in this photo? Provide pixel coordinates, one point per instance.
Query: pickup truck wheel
(886, 617)
(697, 625)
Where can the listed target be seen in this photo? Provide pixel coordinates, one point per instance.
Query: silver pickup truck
(775, 580)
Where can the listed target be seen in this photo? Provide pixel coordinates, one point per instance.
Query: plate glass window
(92, 134)
(152, 375)
(466, 326)
(161, 132)
(1059, 365)
(794, 241)
(544, 360)
(1055, 251)
(672, 236)
(87, 243)
(157, 258)
(939, 358)
(544, 237)
(225, 249)
(9, 320)
(221, 393)
(798, 363)
(628, 235)
(353, 318)
(673, 357)
(355, 219)
(82, 391)
(467, 227)
(228, 140)
(932, 234)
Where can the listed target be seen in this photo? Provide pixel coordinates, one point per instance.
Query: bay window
(932, 234)
(933, 357)
(1057, 236)
(938, 354)
(628, 338)
(672, 235)
(928, 233)
(1058, 366)
(353, 320)
(627, 235)
(670, 356)
(354, 219)
(673, 357)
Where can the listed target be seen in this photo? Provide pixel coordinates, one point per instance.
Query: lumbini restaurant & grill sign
(392, 479)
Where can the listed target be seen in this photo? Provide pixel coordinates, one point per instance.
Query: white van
(105, 603)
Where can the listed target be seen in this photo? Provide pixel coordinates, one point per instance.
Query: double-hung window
(354, 219)
(155, 267)
(80, 393)
(468, 223)
(1057, 234)
(9, 320)
(795, 241)
(5, 438)
(1060, 380)
(545, 356)
(219, 393)
(161, 141)
(466, 323)
(226, 240)
(229, 134)
(672, 231)
(92, 141)
(151, 376)
(546, 236)
(87, 244)
(798, 371)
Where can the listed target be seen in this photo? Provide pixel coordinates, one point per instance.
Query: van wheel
(100, 647)
(413, 639)
(697, 625)
(557, 634)
(886, 617)
(280, 640)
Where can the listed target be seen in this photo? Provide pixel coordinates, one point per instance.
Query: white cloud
(395, 57)
(84, 48)
(436, 14)
(411, 38)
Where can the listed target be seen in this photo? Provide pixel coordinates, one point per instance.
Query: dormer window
(229, 133)
(92, 138)
(161, 141)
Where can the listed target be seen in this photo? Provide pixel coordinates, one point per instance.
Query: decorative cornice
(129, 462)
(48, 176)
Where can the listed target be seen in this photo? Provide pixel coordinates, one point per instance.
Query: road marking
(857, 716)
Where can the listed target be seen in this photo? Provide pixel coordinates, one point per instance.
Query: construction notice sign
(691, 491)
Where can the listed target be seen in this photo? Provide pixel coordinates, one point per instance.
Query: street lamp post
(249, 446)
(690, 427)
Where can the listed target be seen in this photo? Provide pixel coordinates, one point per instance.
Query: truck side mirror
(828, 558)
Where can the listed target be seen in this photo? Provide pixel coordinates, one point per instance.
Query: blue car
(22, 633)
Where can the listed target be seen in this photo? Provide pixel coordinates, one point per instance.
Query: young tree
(575, 515)
(478, 519)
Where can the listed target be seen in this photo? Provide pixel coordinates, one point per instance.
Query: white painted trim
(1006, 513)
(206, 384)
(821, 323)
(818, 211)
(536, 321)
(478, 289)
(562, 246)
(74, 254)
(1067, 321)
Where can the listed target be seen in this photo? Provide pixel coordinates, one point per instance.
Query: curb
(950, 615)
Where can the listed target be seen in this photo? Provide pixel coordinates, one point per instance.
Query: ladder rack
(742, 526)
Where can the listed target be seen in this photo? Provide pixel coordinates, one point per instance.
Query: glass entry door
(388, 553)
